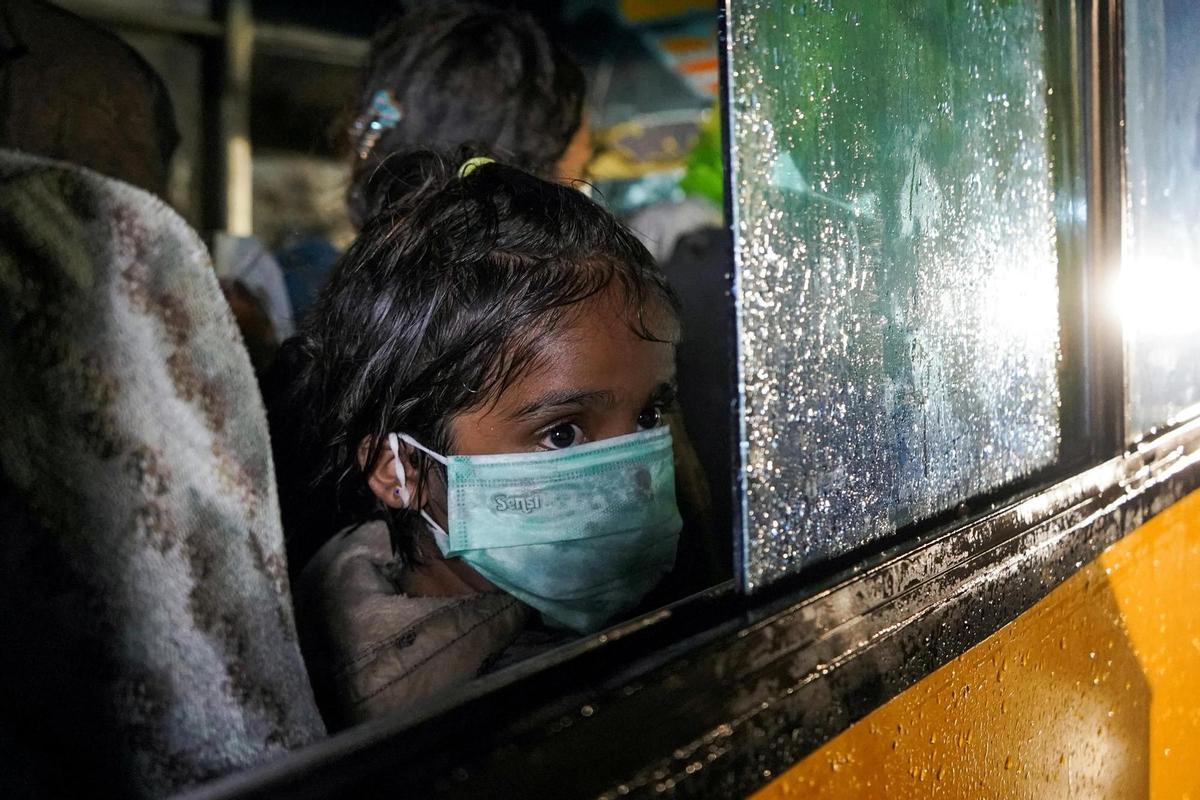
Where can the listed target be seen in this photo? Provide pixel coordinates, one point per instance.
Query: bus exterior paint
(1090, 693)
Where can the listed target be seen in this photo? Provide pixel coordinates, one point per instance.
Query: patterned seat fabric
(145, 613)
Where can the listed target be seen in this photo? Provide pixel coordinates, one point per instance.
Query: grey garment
(374, 651)
(244, 259)
(660, 226)
(147, 625)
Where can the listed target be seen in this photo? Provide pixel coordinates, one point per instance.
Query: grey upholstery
(146, 634)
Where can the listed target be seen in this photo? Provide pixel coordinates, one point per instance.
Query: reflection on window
(898, 292)
(1160, 274)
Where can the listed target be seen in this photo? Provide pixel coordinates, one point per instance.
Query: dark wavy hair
(464, 74)
(441, 303)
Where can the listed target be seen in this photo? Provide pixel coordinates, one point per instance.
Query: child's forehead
(605, 346)
(616, 312)
(602, 342)
(600, 360)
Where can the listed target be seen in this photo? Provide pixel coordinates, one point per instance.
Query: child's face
(596, 379)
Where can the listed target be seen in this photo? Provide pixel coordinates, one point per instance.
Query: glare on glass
(1160, 265)
(896, 265)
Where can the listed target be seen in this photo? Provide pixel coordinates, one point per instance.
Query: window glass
(897, 267)
(1160, 274)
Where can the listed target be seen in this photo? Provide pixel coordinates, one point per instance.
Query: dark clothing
(700, 272)
(309, 512)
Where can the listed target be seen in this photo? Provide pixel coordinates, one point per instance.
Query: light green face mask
(579, 534)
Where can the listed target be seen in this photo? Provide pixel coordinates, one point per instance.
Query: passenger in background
(487, 380)
(695, 250)
(72, 92)
(76, 93)
(450, 74)
(442, 76)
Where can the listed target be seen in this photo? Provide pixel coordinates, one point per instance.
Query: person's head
(450, 74)
(72, 91)
(496, 313)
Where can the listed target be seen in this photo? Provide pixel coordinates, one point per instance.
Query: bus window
(898, 262)
(1161, 249)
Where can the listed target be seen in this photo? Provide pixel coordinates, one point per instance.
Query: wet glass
(897, 272)
(1160, 272)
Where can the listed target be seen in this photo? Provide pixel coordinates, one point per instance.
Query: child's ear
(382, 477)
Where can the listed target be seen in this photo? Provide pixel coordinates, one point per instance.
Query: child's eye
(650, 417)
(561, 436)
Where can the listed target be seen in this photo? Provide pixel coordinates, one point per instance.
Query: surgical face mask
(579, 534)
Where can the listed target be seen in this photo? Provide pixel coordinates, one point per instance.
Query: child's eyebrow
(564, 398)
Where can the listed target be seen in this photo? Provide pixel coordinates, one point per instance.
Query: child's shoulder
(373, 649)
(354, 582)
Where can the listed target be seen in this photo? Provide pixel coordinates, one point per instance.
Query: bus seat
(145, 613)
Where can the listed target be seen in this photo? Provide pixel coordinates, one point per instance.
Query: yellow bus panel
(1091, 693)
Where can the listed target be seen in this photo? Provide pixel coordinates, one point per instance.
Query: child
(486, 381)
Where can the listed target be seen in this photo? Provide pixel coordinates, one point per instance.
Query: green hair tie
(472, 164)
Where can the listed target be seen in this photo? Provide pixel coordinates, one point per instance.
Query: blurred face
(572, 166)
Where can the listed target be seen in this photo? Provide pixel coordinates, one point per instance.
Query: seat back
(145, 613)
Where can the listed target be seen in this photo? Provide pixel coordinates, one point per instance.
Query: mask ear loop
(404, 437)
(439, 533)
(402, 490)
